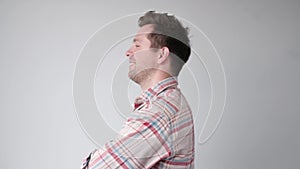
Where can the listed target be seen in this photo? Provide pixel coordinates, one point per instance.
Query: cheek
(147, 58)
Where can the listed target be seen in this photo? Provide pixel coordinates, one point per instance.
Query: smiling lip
(131, 65)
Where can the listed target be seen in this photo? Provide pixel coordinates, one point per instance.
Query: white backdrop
(258, 43)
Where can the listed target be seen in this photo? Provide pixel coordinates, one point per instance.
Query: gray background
(258, 43)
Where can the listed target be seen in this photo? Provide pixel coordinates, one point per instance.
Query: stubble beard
(141, 76)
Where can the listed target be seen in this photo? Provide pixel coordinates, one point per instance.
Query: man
(160, 132)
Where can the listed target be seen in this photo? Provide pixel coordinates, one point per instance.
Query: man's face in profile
(142, 59)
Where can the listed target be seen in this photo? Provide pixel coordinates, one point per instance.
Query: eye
(137, 46)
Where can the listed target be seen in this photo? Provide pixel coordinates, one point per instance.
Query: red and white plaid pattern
(158, 134)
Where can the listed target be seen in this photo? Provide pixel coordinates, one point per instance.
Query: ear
(164, 54)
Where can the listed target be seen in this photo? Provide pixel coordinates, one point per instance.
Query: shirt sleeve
(142, 142)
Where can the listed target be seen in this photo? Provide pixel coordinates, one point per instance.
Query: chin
(132, 76)
(141, 76)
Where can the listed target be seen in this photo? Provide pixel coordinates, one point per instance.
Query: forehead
(144, 31)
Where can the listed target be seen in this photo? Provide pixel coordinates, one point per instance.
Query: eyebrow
(136, 40)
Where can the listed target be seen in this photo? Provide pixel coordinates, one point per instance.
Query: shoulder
(171, 100)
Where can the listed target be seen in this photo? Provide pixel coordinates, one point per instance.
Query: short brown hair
(168, 31)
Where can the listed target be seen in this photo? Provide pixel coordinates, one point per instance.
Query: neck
(153, 80)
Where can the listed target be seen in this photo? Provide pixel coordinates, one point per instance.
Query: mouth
(131, 62)
(131, 65)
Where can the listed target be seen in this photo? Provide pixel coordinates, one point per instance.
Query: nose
(129, 52)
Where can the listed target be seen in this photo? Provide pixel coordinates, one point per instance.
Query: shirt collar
(148, 94)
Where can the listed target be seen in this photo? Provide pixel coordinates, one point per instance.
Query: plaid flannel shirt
(158, 134)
